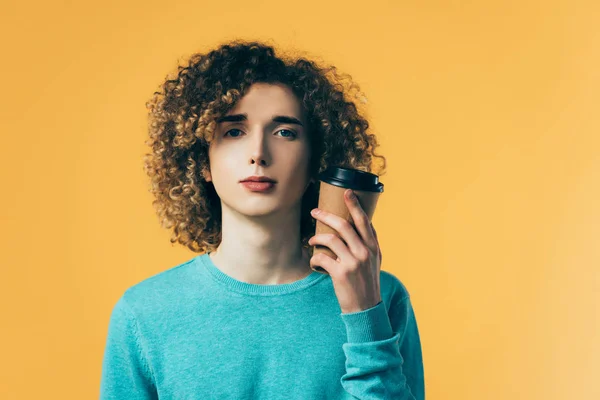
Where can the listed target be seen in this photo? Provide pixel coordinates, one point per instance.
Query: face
(265, 134)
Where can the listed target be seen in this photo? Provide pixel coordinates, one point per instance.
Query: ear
(207, 175)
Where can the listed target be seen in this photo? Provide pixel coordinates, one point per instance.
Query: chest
(265, 355)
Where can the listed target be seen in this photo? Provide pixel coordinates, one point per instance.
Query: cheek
(297, 164)
(298, 175)
(299, 157)
(225, 172)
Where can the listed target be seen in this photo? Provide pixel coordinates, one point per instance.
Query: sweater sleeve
(383, 361)
(125, 370)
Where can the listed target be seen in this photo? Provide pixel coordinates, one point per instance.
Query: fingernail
(351, 195)
(315, 211)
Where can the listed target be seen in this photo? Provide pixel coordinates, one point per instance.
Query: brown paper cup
(331, 199)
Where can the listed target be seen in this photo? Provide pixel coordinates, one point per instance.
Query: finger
(379, 248)
(333, 243)
(344, 230)
(324, 261)
(361, 220)
(373, 229)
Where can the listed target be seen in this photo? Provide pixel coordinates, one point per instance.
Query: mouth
(256, 186)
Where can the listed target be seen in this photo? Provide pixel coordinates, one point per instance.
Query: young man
(248, 318)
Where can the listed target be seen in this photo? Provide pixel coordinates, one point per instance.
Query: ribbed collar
(253, 289)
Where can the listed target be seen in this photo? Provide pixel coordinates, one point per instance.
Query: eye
(232, 131)
(287, 130)
(293, 134)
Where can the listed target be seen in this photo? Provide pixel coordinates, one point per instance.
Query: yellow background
(487, 112)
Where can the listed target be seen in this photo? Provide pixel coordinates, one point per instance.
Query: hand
(355, 272)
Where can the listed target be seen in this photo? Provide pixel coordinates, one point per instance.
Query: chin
(263, 207)
(255, 207)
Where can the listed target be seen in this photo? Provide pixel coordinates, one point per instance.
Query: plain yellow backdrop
(486, 111)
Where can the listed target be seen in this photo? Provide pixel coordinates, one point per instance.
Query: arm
(384, 360)
(125, 370)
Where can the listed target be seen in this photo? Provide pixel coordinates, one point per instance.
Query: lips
(266, 180)
(258, 178)
(258, 186)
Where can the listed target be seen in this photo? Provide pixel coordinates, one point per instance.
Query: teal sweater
(193, 332)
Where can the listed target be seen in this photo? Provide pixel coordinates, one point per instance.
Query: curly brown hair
(182, 118)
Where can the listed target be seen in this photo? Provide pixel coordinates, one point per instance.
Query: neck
(264, 249)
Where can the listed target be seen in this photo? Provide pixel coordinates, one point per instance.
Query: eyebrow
(244, 117)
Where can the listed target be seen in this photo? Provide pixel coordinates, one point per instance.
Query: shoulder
(159, 289)
(392, 287)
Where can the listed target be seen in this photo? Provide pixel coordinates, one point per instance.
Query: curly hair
(182, 119)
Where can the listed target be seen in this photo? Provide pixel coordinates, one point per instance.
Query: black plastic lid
(351, 179)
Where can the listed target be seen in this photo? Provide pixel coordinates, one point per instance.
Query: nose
(259, 160)
(258, 155)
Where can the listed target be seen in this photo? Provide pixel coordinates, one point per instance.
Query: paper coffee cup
(333, 183)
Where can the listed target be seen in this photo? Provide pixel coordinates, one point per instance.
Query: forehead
(263, 100)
